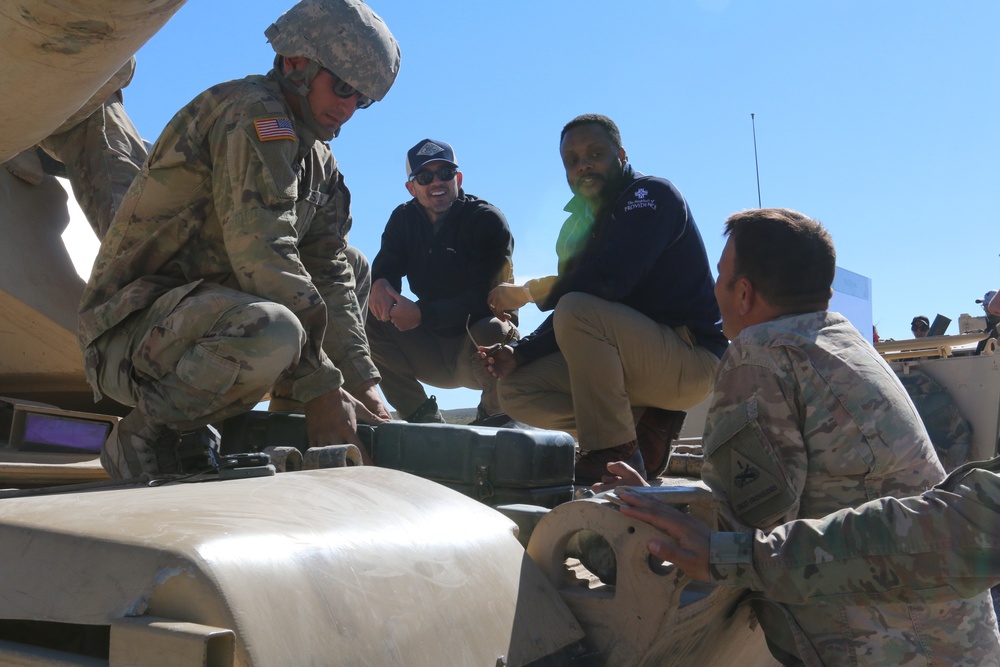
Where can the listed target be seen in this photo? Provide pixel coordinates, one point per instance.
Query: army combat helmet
(344, 37)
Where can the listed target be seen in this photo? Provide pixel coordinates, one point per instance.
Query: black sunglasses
(344, 90)
(444, 174)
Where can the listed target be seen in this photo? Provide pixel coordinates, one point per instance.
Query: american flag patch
(272, 129)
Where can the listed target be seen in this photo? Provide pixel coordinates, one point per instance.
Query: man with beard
(634, 325)
(225, 272)
(807, 419)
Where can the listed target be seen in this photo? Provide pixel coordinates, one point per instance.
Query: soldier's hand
(370, 397)
(688, 541)
(332, 419)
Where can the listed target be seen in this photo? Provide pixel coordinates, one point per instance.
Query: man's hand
(506, 296)
(499, 360)
(381, 299)
(370, 397)
(688, 549)
(332, 419)
(619, 474)
(405, 314)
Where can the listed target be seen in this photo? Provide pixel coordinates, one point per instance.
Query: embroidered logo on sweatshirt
(640, 201)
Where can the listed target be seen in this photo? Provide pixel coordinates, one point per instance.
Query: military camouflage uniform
(102, 151)
(225, 267)
(807, 419)
(941, 545)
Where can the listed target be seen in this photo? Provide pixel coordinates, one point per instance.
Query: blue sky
(877, 118)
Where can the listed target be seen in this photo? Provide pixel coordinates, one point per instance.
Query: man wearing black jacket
(453, 249)
(635, 323)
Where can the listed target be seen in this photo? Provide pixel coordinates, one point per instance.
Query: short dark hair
(788, 257)
(598, 119)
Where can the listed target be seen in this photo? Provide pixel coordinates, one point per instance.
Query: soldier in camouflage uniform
(102, 151)
(224, 272)
(806, 419)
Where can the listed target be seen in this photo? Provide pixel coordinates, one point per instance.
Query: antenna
(755, 165)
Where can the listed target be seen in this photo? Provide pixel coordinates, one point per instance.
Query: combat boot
(138, 446)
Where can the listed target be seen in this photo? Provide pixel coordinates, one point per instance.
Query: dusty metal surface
(59, 53)
(369, 565)
(653, 614)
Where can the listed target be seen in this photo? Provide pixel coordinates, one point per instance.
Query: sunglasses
(920, 327)
(508, 337)
(444, 174)
(344, 90)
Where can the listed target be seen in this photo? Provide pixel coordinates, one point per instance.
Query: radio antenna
(755, 165)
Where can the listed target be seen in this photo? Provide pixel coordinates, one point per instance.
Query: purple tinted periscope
(65, 432)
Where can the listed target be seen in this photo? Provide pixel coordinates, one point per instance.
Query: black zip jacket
(451, 270)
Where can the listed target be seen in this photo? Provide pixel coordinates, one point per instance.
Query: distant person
(634, 325)
(225, 271)
(941, 545)
(992, 304)
(920, 326)
(452, 248)
(807, 419)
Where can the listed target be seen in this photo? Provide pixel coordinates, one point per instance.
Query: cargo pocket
(209, 374)
(744, 459)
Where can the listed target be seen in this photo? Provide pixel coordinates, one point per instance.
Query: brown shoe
(656, 430)
(593, 465)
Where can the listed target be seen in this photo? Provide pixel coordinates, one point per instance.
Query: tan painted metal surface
(57, 53)
(651, 615)
(973, 382)
(349, 566)
(39, 295)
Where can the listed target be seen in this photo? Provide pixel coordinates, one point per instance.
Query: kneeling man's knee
(273, 337)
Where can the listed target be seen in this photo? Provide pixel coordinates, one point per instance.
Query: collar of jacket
(578, 205)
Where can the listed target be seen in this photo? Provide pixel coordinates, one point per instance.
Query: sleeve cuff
(730, 548)
(321, 381)
(730, 560)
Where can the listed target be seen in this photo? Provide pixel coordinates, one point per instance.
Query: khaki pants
(613, 362)
(406, 358)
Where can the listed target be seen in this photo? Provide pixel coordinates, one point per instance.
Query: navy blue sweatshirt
(645, 252)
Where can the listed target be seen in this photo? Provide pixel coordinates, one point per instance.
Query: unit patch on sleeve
(273, 129)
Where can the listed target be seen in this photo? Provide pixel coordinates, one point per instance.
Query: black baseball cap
(428, 150)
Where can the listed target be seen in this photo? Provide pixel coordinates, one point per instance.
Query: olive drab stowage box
(258, 429)
(497, 466)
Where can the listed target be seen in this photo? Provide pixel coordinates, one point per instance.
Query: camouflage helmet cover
(344, 36)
